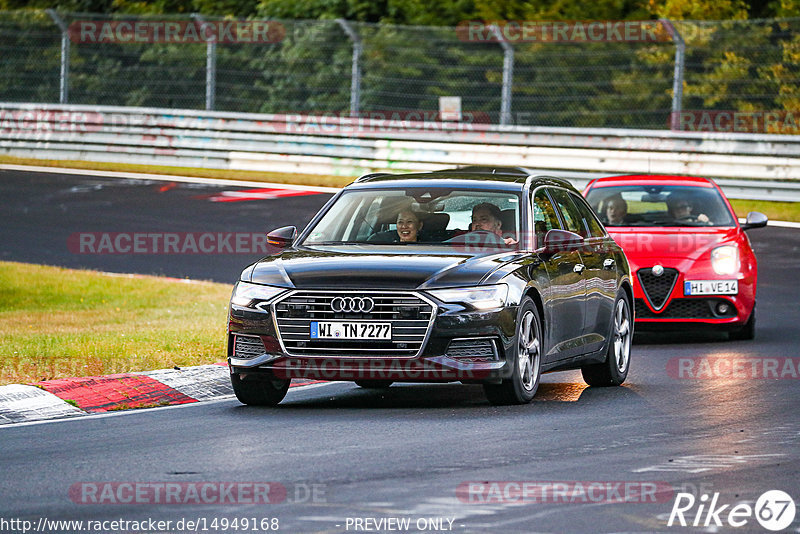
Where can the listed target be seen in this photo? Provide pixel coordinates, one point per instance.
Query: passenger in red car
(616, 211)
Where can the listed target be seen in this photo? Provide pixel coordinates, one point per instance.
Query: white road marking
(699, 463)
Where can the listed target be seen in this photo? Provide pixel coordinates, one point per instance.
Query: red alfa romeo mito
(693, 263)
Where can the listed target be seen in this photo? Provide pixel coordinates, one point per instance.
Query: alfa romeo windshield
(659, 205)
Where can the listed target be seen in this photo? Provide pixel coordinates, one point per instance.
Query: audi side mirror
(755, 219)
(560, 240)
(282, 237)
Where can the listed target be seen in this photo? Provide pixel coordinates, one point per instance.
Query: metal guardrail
(746, 165)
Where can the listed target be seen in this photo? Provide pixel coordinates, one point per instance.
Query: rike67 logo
(774, 510)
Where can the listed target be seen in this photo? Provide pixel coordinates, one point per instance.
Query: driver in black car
(486, 217)
(680, 208)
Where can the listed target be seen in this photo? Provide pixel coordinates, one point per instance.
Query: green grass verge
(776, 211)
(59, 323)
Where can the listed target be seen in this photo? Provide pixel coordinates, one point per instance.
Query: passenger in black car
(408, 226)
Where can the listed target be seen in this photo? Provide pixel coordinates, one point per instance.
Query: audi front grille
(410, 315)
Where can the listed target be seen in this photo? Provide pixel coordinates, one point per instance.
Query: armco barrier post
(677, 80)
(211, 67)
(508, 76)
(355, 78)
(63, 97)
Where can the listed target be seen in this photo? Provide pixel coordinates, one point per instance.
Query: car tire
(259, 390)
(522, 386)
(748, 331)
(614, 370)
(374, 384)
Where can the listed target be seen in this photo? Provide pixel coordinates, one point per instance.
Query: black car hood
(374, 267)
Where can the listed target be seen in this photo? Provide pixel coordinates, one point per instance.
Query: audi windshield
(418, 216)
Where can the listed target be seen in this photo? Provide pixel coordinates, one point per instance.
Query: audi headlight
(248, 295)
(725, 259)
(480, 298)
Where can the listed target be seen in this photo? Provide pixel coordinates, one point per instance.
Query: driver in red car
(486, 217)
(681, 209)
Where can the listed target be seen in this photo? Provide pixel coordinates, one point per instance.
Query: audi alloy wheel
(522, 386)
(614, 370)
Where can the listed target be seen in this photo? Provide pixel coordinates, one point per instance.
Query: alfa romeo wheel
(748, 331)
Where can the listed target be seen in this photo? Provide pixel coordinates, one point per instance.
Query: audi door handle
(579, 268)
(608, 264)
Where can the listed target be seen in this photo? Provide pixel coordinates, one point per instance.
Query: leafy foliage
(412, 55)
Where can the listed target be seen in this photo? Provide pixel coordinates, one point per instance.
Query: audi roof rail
(371, 175)
(487, 169)
(531, 177)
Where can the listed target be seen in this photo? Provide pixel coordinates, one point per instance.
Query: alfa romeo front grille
(409, 314)
(657, 288)
(686, 308)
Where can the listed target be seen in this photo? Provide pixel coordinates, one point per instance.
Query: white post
(63, 94)
(355, 77)
(508, 76)
(211, 67)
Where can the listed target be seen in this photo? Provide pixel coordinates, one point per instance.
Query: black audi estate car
(474, 275)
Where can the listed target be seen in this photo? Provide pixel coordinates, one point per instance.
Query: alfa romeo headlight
(480, 298)
(725, 259)
(248, 295)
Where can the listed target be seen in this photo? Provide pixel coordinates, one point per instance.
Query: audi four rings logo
(352, 304)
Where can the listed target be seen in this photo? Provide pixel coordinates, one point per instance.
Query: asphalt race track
(42, 211)
(430, 454)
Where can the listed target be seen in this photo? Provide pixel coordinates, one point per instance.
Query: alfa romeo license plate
(710, 287)
(351, 330)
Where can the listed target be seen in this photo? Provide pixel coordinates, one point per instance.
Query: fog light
(723, 308)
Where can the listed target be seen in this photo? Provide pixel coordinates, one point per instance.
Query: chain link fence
(339, 67)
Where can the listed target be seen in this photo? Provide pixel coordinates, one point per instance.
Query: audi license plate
(710, 287)
(351, 330)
